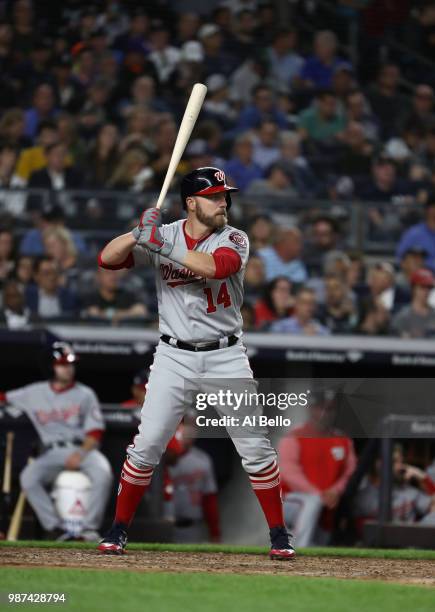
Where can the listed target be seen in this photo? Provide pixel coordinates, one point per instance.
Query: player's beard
(216, 221)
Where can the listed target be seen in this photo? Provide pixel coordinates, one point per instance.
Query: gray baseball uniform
(62, 417)
(192, 477)
(194, 310)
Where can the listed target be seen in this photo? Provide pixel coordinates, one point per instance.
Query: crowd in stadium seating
(91, 97)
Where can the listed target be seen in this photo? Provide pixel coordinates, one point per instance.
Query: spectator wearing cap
(343, 81)
(137, 390)
(241, 168)
(323, 121)
(283, 257)
(216, 106)
(418, 319)
(421, 235)
(190, 68)
(216, 59)
(42, 109)
(384, 186)
(284, 61)
(302, 322)
(266, 144)
(50, 216)
(386, 101)
(278, 183)
(47, 299)
(262, 108)
(318, 69)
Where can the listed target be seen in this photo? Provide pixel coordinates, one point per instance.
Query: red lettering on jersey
(223, 298)
(57, 414)
(168, 271)
(189, 479)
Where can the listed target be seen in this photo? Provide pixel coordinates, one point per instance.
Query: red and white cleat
(115, 541)
(282, 554)
(281, 549)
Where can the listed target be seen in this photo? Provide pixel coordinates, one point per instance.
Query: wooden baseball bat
(7, 482)
(17, 516)
(187, 124)
(7, 471)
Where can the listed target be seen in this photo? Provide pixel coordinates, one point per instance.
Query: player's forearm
(117, 250)
(202, 264)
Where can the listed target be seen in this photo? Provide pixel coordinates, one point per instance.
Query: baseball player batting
(67, 417)
(200, 264)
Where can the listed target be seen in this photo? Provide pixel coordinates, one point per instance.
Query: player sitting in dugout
(68, 420)
(316, 463)
(413, 494)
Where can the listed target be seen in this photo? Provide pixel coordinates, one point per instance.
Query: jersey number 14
(223, 298)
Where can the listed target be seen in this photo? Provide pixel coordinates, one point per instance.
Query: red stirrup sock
(267, 488)
(133, 483)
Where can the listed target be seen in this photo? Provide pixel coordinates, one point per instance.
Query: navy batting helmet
(63, 354)
(203, 182)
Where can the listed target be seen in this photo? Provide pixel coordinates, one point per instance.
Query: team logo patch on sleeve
(238, 239)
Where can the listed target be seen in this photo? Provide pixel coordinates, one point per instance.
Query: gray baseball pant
(42, 472)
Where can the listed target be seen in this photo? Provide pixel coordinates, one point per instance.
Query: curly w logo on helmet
(220, 176)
